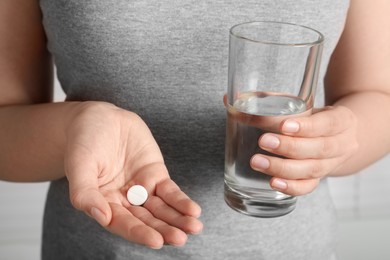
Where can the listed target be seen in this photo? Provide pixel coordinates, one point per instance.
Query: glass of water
(273, 73)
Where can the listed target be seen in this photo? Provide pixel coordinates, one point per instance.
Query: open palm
(109, 150)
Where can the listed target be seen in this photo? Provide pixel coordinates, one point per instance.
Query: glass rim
(319, 41)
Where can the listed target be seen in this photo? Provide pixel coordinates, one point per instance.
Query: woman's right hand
(108, 150)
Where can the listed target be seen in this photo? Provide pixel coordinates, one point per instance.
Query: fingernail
(99, 216)
(279, 184)
(290, 126)
(270, 141)
(260, 162)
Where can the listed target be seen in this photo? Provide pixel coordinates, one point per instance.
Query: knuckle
(76, 200)
(314, 185)
(328, 148)
(131, 231)
(281, 167)
(166, 191)
(311, 186)
(302, 187)
(291, 147)
(350, 115)
(140, 213)
(351, 144)
(169, 186)
(347, 117)
(151, 202)
(155, 204)
(98, 107)
(295, 188)
(301, 190)
(316, 170)
(277, 167)
(307, 126)
(334, 122)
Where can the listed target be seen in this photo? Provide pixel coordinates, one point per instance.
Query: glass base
(259, 206)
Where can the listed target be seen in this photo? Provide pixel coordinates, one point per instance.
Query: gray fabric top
(167, 61)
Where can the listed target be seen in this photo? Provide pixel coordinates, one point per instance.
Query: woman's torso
(167, 61)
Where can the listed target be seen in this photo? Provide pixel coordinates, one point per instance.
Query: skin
(100, 148)
(350, 133)
(72, 136)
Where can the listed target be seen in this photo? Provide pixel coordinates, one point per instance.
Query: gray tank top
(167, 61)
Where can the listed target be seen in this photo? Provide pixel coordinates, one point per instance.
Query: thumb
(92, 202)
(84, 192)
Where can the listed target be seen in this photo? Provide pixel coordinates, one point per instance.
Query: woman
(136, 72)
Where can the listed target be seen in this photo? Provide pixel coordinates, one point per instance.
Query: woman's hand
(108, 150)
(315, 146)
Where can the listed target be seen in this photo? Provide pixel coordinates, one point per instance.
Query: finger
(327, 122)
(294, 187)
(159, 183)
(305, 148)
(173, 196)
(171, 216)
(132, 229)
(84, 190)
(171, 235)
(92, 202)
(293, 169)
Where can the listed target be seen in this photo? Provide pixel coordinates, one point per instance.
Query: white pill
(137, 195)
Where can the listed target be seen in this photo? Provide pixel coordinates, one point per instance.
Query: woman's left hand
(314, 147)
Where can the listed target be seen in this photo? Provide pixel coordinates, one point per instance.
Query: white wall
(363, 205)
(364, 195)
(360, 197)
(21, 213)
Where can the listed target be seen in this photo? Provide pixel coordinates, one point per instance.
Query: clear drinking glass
(273, 73)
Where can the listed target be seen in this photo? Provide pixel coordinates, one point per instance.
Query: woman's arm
(359, 79)
(101, 149)
(353, 131)
(31, 136)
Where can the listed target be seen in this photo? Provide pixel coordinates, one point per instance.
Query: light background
(362, 202)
